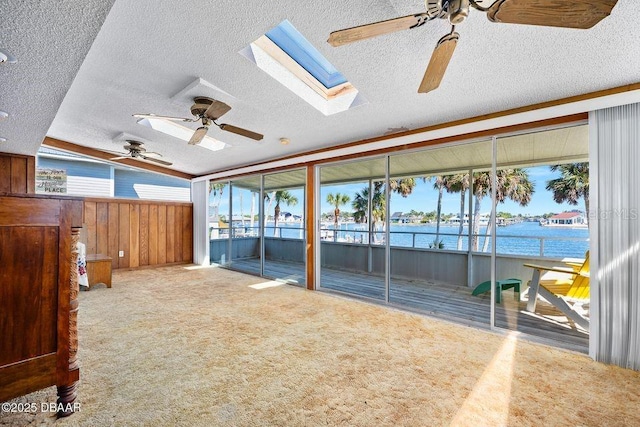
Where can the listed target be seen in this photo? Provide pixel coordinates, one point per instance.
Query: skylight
(294, 44)
(287, 56)
(181, 132)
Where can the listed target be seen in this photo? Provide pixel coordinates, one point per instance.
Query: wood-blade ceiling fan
(136, 150)
(554, 13)
(207, 111)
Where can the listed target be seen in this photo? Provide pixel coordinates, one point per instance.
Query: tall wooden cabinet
(38, 295)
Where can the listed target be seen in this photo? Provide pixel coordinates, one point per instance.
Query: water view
(524, 238)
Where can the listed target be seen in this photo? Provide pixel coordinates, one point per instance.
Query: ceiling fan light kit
(553, 13)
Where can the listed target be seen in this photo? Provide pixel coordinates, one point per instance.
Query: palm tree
(440, 184)
(337, 200)
(288, 199)
(511, 183)
(403, 186)
(216, 189)
(459, 183)
(572, 184)
(360, 205)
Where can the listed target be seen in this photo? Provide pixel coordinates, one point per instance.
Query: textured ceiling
(50, 40)
(148, 55)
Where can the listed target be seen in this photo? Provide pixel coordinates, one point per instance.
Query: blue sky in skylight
(294, 44)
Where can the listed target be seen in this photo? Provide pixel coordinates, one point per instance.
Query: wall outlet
(121, 254)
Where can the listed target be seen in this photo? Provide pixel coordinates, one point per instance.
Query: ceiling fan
(136, 150)
(207, 111)
(554, 13)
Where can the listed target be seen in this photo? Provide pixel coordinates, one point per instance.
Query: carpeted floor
(173, 346)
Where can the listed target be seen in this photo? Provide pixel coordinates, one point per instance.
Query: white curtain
(615, 235)
(200, 199)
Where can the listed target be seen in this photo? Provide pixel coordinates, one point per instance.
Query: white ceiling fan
(556, 13)
(207, 111)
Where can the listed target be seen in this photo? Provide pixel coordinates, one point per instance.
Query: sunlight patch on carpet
(492, 391)
(266, 285)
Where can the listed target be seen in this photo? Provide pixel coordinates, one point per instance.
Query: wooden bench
(99, 269)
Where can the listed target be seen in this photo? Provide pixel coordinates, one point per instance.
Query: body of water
(526, 238)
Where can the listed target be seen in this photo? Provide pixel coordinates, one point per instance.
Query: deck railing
(529, 245)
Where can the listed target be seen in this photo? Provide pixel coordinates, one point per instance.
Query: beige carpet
(173, 346)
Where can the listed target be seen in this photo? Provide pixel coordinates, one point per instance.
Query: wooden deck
(451, 302)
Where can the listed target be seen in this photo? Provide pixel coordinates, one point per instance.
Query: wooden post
(310, 220)
(67, 393)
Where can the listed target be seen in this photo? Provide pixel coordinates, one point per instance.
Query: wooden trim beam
(504, 113)
(556, 121)
(102, 155)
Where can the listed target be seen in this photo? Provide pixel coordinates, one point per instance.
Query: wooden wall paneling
(18, 175)
(187, 233)
(5, 174)
(134, 235)
(102, 228)
(150, 233)
(123, 235)
(113, 231)
(171, 233)
(177, 251)
(91, 228)
(31, 174)
(162, 234)
(153, 234)
(144, 234)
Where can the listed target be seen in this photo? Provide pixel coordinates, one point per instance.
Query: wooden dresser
(38, 295)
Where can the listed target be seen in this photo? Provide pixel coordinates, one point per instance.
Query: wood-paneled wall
(149, 232)
(17, 174)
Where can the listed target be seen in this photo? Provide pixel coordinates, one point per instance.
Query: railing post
(413, 243)
(542, 246)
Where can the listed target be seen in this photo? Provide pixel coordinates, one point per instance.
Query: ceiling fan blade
(216, 110)
(242, 132)
(152, 154)
(120, 158)
(155, 116)
(198, 135)
(438, 63)
(354, 34)
(151, 159)
(552, 13)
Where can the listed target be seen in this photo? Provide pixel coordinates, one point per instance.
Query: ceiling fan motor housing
(200, 105)
(455, 10)
(458, 11)
(135, 147)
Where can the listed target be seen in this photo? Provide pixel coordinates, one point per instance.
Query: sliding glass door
(284, 226)
(541, 228)
(244, 225)
(352, 228)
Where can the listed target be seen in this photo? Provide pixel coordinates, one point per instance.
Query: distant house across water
(574, 218)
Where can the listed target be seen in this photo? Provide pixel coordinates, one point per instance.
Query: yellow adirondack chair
(566, 288)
